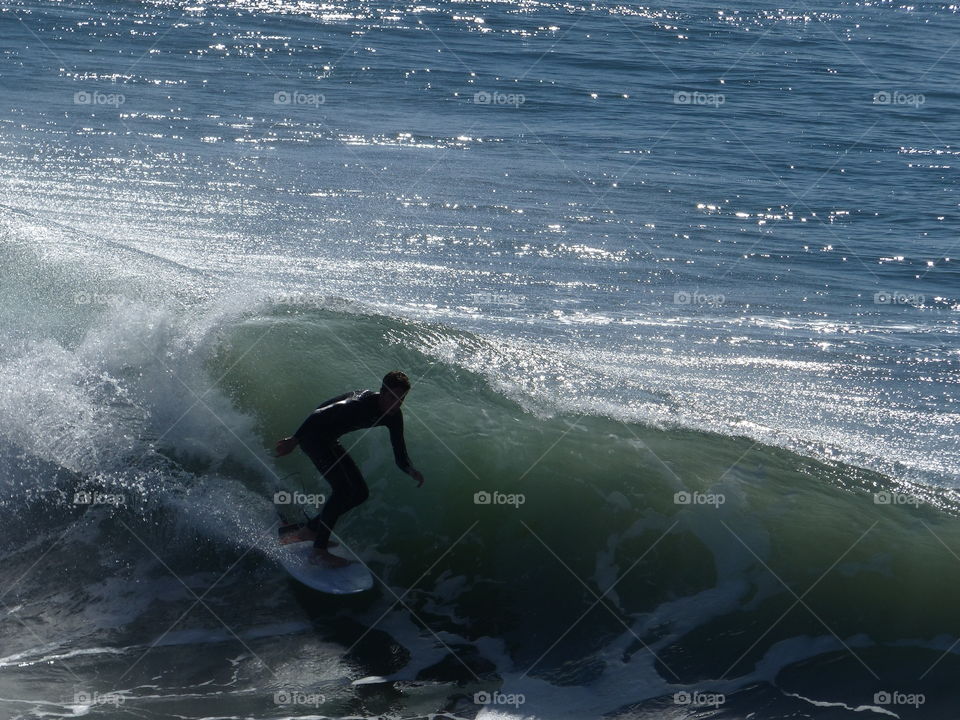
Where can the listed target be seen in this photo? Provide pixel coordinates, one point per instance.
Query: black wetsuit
(318, 437)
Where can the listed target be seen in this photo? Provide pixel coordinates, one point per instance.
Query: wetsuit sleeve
(395, 424)
(337, 399)
(306, 427)
(319, 419)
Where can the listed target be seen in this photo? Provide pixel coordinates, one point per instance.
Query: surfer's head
(393, 389)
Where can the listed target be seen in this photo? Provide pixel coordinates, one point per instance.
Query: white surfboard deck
(354, 578)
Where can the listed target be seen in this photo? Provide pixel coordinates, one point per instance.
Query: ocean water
(677, 288)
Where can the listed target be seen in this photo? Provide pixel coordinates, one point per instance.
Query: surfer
(318, 438)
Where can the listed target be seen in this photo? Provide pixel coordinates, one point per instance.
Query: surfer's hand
(286, 446)
(418, 476)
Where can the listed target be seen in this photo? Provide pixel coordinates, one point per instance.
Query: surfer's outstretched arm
(328, 414)
(395, 424)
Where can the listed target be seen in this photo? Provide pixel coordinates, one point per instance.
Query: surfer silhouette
(318, 437)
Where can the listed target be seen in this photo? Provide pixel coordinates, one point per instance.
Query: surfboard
(354, 578)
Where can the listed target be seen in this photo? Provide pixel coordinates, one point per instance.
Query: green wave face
(714, 553)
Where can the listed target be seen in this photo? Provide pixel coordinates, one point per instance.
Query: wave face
(588, 564)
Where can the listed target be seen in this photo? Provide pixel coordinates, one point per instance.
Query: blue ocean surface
(677, 289)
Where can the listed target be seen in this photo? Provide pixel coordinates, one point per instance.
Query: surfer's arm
(329, 414)
(308, 427)
(337, 399)
(400, 448)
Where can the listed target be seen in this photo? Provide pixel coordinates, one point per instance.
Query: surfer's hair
(396, 381)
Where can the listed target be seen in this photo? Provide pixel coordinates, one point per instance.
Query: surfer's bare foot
(302, 535)
(324, 557)
(298, 536)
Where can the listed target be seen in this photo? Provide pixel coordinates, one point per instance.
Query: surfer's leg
(334, 463)
(357, 486)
